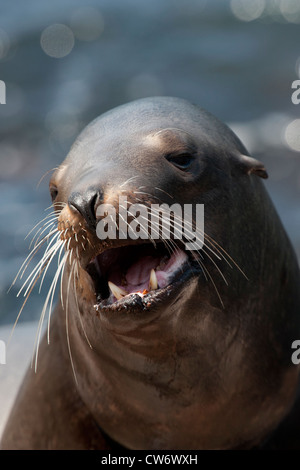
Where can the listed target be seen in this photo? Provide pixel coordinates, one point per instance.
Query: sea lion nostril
(86, 203)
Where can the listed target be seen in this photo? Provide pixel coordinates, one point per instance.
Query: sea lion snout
(86, 203)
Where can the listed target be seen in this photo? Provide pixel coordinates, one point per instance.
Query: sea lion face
(164, 340)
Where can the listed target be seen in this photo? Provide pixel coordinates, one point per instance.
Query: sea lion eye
(182, 161)
(53, 192)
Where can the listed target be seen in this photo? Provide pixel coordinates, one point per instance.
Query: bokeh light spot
(290, 10)
(292, 135)
(57, 40)
(246, 10)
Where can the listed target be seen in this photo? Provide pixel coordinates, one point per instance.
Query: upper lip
(136, 275)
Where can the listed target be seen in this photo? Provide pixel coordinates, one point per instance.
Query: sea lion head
(174, 347)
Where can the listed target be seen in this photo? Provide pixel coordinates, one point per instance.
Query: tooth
(153, 280)
(117, 291)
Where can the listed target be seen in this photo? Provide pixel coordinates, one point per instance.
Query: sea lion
(153, 346)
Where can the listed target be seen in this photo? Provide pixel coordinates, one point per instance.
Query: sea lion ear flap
(251, 165)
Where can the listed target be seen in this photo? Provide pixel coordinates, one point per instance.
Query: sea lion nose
(86, 203)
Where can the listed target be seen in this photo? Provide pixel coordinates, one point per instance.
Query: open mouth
(138, 275)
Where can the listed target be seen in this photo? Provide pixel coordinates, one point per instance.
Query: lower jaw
(138, 302)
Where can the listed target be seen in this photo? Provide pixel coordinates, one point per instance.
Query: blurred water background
(66, 61)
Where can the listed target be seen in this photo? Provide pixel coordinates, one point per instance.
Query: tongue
(137, 276)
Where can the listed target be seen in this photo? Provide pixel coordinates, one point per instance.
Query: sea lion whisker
(82, 228)
(49, 262)
(47, 227)
(67, 324)
(76, 300)
(203, 267)
(90, 243)
(68, 243)
(165, 192)
(144, 230)
(53, 290)
(215, 287)
(151, 194)
(124, 234)
(153, 228)
(220, 250)
(34, 250)
(43, 261)
(114, 221)
(40, 266)
(212, 241)
(206, 272)
(59, 204)
(217, 253)
(125, 221)
(40, 222)
(33, 283)
(147, 194)
(42, 316)
(60, 252)
(189, 228)
(45, 174)
(27, 261)
(40, 232)
(216, 266)
(191, 225)
(187, 231)
(208, 239)
(22, 308)
(158, 212)
(70, 253)
(172, 129)
(128, 180)
(204, 248)
(168, 243)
